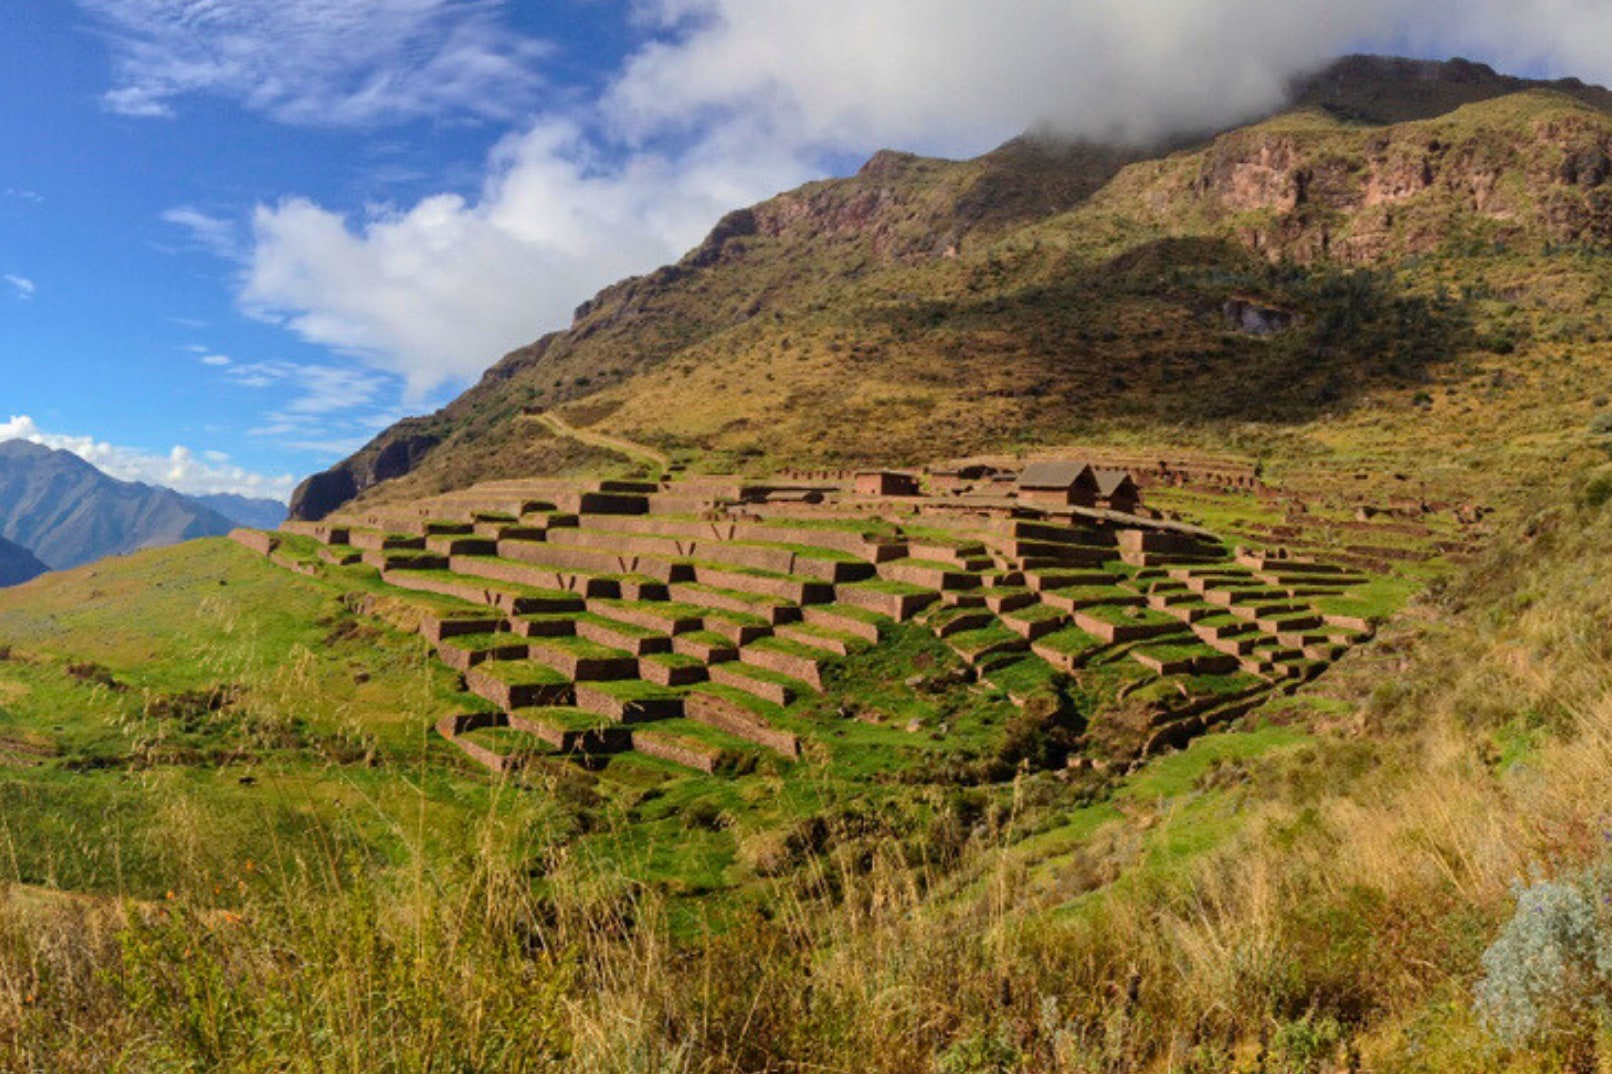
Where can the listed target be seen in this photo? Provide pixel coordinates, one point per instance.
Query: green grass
(523, 673)
(581, 647)
(1070, 640)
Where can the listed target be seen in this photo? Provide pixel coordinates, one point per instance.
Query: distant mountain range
(63, 513)
(245, 511)
(18, 565)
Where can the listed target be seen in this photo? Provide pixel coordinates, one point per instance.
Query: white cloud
(214, 234)
(24, 287)
(20, 194)
(319, 62)
(178, 469)
(216, 360)
(438, 292)
(729, 101)
(321, 389)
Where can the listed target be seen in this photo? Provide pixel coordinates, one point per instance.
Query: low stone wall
(452, 727)
(1115, 633)
(442, 587)
(803, 668)
(1116, 599)
(897, 606)
(556, 558)
(393, 559)
(684, 595)
(584, 668)
(725, 675)
(928, 577)
(604, 634)
(789, 632)
(782, 588)
(623, 710)
(620, 543)
(740, 722)
(464, 659)
(435, 629)
(705, 652)
(517, 695)
(705, 531)
(669, 675)
(257, 541)
(649, 620)
(677, 750)
(385, 542)
(831, 620)
(456, 545)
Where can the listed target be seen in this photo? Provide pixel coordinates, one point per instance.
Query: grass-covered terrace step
(772, 609)
(510, 597)
(673, 669)
(582, 660)
(706, 646)
(465, 651)
(759, 682)
(629, 701)
(519, 684)
(860, 622)
(695, 745)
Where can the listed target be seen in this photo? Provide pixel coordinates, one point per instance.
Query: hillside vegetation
(230, 840)
(924, 309)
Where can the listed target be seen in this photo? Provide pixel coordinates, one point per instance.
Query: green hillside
(572, 734)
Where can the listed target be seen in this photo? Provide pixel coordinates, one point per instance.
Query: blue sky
(238, 237)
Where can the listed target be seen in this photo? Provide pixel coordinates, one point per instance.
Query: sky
(240, 237)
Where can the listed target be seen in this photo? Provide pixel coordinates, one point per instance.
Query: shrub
(1550, 969)
(1596, 489)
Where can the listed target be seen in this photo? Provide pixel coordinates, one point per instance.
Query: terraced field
(605, 618)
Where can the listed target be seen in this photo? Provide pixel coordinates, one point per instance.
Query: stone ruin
(681, 620)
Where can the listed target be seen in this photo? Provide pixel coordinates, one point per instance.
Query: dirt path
(560, 427)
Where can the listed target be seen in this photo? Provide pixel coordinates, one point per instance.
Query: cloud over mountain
(727, 101)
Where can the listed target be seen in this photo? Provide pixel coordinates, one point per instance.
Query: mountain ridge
(67, 512)
(920, 283)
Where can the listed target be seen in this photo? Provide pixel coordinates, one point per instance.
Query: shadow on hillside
(1152, 336)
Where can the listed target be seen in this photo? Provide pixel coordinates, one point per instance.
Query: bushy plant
(1550, 970)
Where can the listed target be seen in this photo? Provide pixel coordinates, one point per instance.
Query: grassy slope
(1320, 887)
(813, 340)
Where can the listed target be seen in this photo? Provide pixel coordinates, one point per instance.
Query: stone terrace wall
(676, 750)
(724, 715)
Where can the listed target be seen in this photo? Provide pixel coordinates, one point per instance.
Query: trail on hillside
(560, 427)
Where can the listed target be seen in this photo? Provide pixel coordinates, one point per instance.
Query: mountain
(68, 513)
(18, 565)
(244, 510)
(924, 308)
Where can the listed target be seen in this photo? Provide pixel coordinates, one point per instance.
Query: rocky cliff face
(1533, 168)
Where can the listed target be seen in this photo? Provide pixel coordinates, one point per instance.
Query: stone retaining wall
(624, 710)
(517, 696)
(435, 629)
(803, 668)
(831, 620)
(782, 588)
(740, 722)
(452, 727)
(898, 606)
(724, 675)
(1116, 633)
(677, 749)
(256, 541)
